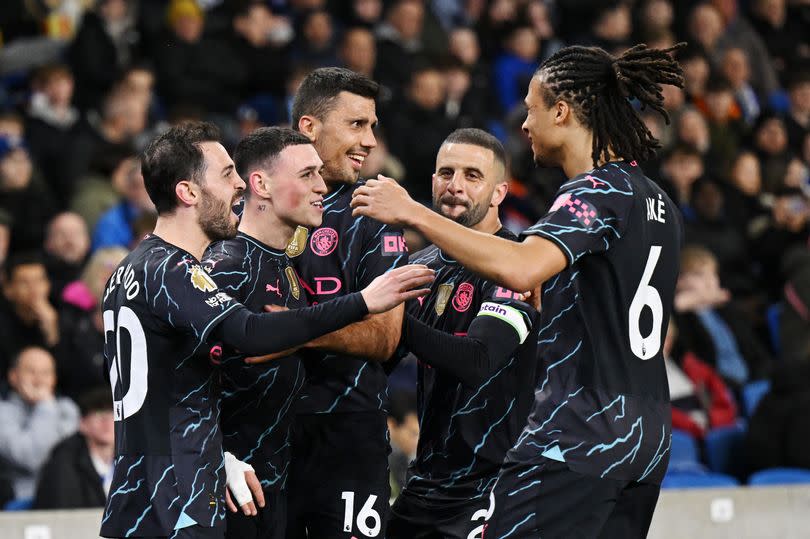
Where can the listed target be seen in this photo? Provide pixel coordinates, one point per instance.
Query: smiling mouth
(357, 158)
(318, 204)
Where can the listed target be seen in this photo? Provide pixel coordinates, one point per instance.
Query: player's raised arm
(264, 333)
(487, 255)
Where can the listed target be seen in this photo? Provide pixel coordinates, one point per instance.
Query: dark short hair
(402, 403)
(683, 149)
(318, 91)
(261, 148)
(24, 258)
(478, 137)
(97, 399)
(174, 156)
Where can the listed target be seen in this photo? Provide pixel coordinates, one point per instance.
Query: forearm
(267, 333)
(486, 348)
(505, 262)
(374, 338)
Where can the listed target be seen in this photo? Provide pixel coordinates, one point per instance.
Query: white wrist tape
(235, 479)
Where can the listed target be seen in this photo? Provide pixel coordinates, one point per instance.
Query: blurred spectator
(12, 127)
(380, 161)
(5, 236)
(316, 44)
(23, 196)
(680, 169)
(464, 48)
(771, 146)
(195, 70)
(612, 26)
(515, 67)
(744, 200)
(78, 471)
(32, 419)
(80, 353)
(358, 50)
(692, 130)
(696, 71)
(780, 32)
(52, 125)
(794, 327)
(366, 12)
(724, 118)
(798, 120)
(700, 399)
(26, 316)
(735, 69)
(655, 18)
(103, 187)
(67, 243)
(778, 432)
(104, 46)
(418, 128)
(711, 326)
(403, 426)
(116, 227)
(538, 14)
(466, 105)
(399, 42)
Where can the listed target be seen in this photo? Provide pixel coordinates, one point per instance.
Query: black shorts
(549, 500)
(339, 481)
(414, 517)
(270, 521)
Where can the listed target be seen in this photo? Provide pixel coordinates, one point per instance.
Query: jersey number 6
(133, 399)
(646, 296)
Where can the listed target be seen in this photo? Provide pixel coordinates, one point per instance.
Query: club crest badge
(442, 297)
(298, 242)
(323, 241)
(292, 278)
(463, 298)
(201, 280)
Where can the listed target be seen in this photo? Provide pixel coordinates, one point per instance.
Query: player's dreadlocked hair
(598, 86)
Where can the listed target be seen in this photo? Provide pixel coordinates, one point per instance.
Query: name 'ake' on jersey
(344, 255)
(258, 401)
(159, 307)
(466, 431)
(602, 402)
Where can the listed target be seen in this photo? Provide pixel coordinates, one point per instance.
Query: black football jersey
(258, 401)
(465, 432)
(344, 255)
(602, 401)
(159, 308)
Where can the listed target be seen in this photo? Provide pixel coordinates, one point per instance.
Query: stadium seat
(779, 476)
(752, 393)
(773, 317)
(724, 450)
(698, 480)
(20, 504)
(684, 449)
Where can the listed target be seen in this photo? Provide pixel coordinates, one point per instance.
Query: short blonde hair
(694, 256)
(103, 262)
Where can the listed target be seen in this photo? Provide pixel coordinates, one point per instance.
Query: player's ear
(561, 112)
(260, 184)
(499, 193)
(186, 192)
(310, 126)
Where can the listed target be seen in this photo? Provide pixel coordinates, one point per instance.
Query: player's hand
(392, 288)
(242, 481)
(276, 355)
(385, 200)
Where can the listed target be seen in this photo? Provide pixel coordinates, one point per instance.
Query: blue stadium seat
(779, 476)
(773, 316)
(752, 393)
(725, 450)
(698, 480)
(20, 504)
(684, 448)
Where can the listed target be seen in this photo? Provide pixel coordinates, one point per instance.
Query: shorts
(551, 501)
(414, 517)
(269, 523)
(339, 482)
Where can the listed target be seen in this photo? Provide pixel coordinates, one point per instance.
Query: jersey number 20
(646, 296)
(134, 397)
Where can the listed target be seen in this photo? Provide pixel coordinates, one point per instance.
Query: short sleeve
(588, 214)
(384, 249)
(503, 304)
(182, 293)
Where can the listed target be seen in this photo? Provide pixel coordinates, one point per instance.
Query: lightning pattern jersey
(159, 308)
(602, 401)
(258, 401)
(466, 431)
(344, 255)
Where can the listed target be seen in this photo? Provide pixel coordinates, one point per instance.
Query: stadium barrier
(781, 512)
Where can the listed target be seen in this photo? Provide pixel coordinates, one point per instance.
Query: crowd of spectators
(84, 84)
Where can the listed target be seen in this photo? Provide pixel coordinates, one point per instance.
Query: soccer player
(284, 194)
(474, 391)
(595, 449)
(160, 309)
(339, 485)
